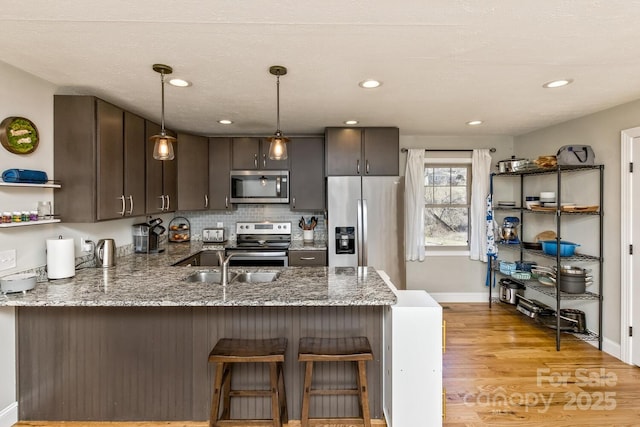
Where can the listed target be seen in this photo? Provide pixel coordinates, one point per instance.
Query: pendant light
(278, 146)
(162, 143)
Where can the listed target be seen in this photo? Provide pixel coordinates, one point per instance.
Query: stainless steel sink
(207, 276)
(255, 277)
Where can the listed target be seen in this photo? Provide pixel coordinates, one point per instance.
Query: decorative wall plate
(19, 135)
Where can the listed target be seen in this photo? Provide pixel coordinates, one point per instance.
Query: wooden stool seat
(352, 349)
(228, 351)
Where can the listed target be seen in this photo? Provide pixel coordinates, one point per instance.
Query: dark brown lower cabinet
(307, 258)
(150, 363)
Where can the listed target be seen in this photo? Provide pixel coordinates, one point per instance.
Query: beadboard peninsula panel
(150, 363)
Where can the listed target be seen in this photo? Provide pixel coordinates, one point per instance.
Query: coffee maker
(146, 236)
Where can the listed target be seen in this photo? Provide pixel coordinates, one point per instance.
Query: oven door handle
(268, 254)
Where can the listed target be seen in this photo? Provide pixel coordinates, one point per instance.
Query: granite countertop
(150, 280)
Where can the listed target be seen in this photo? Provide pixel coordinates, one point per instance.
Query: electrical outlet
(85, 244)
(7, 259)
(219, 225)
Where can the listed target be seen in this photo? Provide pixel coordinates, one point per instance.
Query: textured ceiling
(442, 62)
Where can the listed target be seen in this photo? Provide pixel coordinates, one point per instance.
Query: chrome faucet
(224, 267)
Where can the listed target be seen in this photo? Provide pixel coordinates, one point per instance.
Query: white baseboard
(612, 348)
(460, 296)
(9, 415)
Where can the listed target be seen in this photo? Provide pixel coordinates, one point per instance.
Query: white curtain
(414, 205)
(481, 170)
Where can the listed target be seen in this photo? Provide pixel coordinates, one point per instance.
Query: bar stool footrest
(336, 421)
(351, 391)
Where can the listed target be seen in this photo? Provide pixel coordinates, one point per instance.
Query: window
(447, 198)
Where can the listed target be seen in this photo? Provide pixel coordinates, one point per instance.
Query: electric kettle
(106, 253)
(509, 230)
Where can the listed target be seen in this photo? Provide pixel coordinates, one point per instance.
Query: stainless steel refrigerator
(366, 224)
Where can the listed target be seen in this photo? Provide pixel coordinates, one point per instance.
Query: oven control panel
(266, 227)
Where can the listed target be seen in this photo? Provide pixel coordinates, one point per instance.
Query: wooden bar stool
(353, 349)
(228, 351)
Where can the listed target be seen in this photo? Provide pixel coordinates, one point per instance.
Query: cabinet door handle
(121, 213)
(206, 201)
(255, 160)
(162, 207)
(444, 336)
(226, 201)
(307, 258)
(367, 167)
(130, 205)
(168, 203)
(293, 200)
(444, 403)
(264, 160)
(358, 166)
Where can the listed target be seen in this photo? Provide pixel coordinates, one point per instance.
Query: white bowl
(547, 196)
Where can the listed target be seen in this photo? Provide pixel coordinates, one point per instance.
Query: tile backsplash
(252, 212)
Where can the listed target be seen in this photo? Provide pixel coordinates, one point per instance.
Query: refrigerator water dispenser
(345, 240)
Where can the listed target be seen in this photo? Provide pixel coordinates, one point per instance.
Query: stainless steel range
(261, 244)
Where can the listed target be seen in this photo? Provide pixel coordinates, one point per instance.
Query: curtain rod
(404, 150)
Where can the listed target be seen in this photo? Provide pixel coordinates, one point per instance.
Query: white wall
(452, 278)
(601, 131)
(22, 95)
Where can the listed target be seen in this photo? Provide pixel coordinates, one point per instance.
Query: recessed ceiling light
(369, 84)
(557, 83)
(225, 122)
(351, 122)
(474, 122)
(179, 83)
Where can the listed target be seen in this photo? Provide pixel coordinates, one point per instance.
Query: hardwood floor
(500, 369)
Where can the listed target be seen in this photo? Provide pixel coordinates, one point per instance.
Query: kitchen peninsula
(130, 342)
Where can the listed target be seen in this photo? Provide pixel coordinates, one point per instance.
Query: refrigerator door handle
(359, 232)
(365, 226)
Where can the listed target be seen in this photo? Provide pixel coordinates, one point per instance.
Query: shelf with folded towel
(48, 184)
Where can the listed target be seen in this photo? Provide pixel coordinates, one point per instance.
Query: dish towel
(492, 248)
(25, 176)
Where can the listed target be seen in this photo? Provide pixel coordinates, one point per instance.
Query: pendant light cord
(278, 103)
(162, 131)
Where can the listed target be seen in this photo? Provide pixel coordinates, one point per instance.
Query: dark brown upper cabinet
(362, 151)
(306, 174)
(161, 176)
(253, 153)
(193, 172)
(99, 155)
(219, 173)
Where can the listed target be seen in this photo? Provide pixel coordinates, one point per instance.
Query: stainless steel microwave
(259, 186)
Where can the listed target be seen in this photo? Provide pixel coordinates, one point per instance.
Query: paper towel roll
(61, 258)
